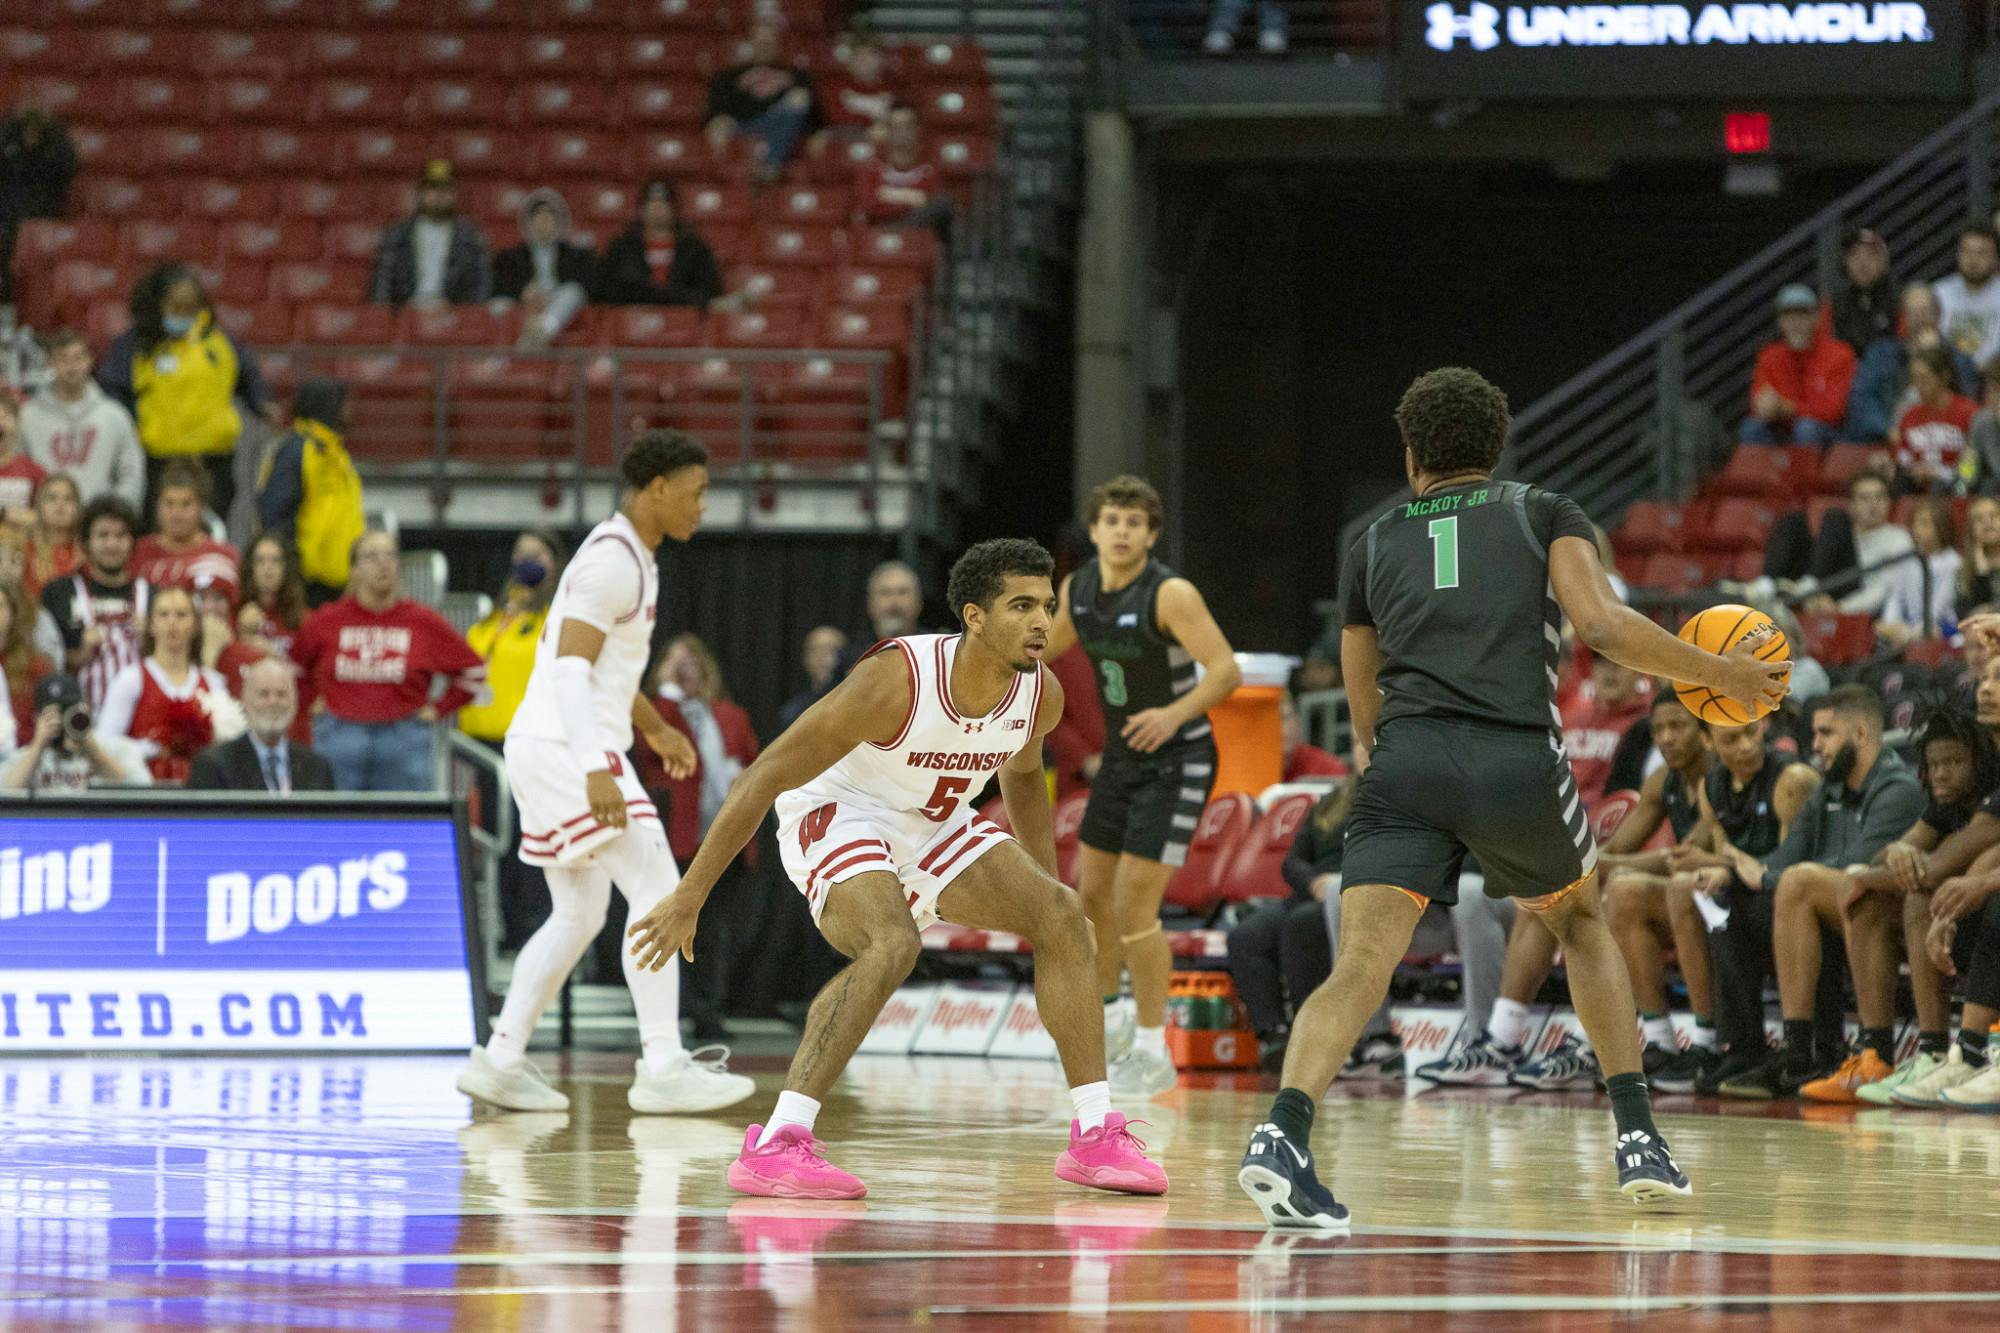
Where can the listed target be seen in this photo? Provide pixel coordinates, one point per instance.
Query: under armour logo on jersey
(1129, 618)
(1480, 27)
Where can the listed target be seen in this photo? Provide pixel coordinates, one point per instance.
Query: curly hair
(981, 573)
(1453, 420)
(1127, 492)
(660, 453)
(1950, 722)
(149, 297)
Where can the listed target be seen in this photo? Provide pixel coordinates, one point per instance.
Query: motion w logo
(1480, 27)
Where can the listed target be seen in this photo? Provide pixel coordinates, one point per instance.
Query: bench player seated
(1888, 915)
(873, 787)
(1868, 799)
(1963, 939)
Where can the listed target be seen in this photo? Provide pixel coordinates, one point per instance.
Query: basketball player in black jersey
(1453, 610)
(1144, 629)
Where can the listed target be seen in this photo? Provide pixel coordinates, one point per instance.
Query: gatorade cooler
(1249, 731)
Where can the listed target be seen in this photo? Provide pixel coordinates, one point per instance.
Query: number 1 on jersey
(1444, 552)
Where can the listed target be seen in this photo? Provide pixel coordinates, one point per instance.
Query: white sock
(1509, 1023)
(1704, 1036)
(1150, 1039)
(1092, 1102)
(1660, 1032)
(793, 1108)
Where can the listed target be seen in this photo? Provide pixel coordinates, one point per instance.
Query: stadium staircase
(1012, 267)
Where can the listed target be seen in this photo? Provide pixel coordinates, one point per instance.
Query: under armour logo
(1480, 26)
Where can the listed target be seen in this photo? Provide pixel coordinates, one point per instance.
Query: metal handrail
(494, 845)
(1590, 434)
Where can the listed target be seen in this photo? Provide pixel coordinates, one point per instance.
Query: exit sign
(1747, 132)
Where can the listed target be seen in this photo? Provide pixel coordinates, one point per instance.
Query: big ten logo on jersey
(78, 880)
(372, 653)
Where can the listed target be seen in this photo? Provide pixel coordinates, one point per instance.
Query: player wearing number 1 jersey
(873, 787)
(1452, 630)
(1145, 631)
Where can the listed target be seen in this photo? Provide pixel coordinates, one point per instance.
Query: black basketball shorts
(1437, 789)
(1147, 805)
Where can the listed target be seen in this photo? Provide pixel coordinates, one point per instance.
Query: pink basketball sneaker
(790, 1167)
(1109, 1158)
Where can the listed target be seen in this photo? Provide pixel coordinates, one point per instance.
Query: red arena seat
(1258, 868)
(1212, 842)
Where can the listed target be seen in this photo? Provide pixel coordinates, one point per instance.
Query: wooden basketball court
(361, 1193)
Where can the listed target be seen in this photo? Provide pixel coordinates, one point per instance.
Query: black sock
(1292, 1113)
(1799, 1040)
(1933, 1043)
(1631, 1105)
(1972, 1045)
(1882, 1041)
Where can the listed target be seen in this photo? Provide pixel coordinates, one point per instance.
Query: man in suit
(263, 758)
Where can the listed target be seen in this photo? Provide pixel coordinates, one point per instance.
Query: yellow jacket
(330, 517)
(507, 641)
(184, 394)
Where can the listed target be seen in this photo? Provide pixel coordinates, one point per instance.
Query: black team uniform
(1143, 805)
(1468, 757)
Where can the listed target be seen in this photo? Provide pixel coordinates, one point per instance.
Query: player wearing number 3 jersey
(873, 786)
(1145, 631)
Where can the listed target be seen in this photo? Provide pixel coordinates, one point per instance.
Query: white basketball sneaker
(521, 1088)
(694, 1082)
(1143, 1073)
(1120, 1021)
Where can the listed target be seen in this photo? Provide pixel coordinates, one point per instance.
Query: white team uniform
(903, 807)
(614, 586)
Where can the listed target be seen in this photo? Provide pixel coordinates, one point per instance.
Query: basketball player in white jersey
(584, 817)
(872, 786)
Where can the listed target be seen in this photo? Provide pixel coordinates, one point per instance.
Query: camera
(76, 723)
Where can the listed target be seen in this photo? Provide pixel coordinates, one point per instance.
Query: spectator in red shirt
(1930, 437)
(765, 98)
(899, 188)
(383, 670)
(1303, 760)
(181, 552)
(1799, 389)
(1595, 724)
(20, 475)
(658, 260)
(857, 100)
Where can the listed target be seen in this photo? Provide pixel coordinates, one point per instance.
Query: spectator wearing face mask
(547, 274)
(505, 640)
(184, 380)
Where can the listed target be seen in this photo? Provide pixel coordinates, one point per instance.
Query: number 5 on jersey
(1444, 552)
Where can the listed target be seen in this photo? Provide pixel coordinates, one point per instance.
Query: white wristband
(572, 680)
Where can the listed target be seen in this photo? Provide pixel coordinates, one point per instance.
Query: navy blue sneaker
(1646, 1170)
(1277, 1174)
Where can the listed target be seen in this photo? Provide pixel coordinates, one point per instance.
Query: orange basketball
(1717, 630)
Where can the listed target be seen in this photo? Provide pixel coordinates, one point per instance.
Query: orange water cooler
(1249, 729)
